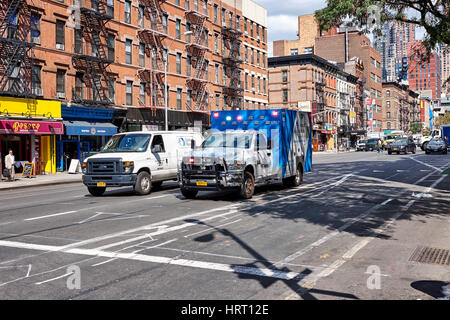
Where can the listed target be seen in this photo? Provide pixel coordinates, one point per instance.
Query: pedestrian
(379, 145)
(9, 165)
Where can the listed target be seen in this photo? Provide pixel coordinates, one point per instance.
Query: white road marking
(157, 197)
(5, 223)
(50, 215)
(53, 279)
(425, 164)
(213, 228)
(337, 183)
(263, 272)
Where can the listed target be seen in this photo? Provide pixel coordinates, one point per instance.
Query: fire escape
(404, 114)
(197, 50)
(232, 92)
(91, 59)
(153, 38)
(319, 108)
(16, 50)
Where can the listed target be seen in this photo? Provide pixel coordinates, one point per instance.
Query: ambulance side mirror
(192, 143)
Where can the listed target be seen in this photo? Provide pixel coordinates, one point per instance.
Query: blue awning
(84, 128)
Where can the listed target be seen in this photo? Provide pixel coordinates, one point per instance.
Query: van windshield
(228, 140)
(128, 143)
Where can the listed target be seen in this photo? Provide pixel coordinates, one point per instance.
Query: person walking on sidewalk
(379, 145)
(9, 165)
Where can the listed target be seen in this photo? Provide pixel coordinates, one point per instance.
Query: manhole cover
(431, 255)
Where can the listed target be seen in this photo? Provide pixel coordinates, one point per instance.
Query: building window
(231, 19)
(177, 2)
(217, 101)
(252, 57)
(78, 85)
(388, 125)
(177, 29)
(112, 90)
(246, 54)
(129, 93)
(127, 11)
(217, 73)
(264, 85)
(141, 16)
(257, 31)
(284, 76)
(285, 95)
(253, 82)
(224, 76)
(179, 63)
(141, 54)
(60, 38)
(164, 23)
(205, 7)
(35, 28)
(257, 58)
(188, 65)
(308, 50)
(264, 59)
(388, 115)
(179, 99)
(216, 43)
(245, 26)
(110, 4)
(263, 32)
(246, 81)
(189, 98)
(188, 36)
(61, 83)
(128, 51)
(388, 104)
(187, 5)
(36, 79)
(216, 13)
(142, 94)
(111, 46)
(388, 93)
(238, 23)
(259, 84)
(224, 18)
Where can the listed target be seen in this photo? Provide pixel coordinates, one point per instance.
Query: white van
(142, 159)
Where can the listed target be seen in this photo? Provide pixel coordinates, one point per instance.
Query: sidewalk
(40, 180)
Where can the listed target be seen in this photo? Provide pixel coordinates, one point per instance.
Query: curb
(42, 185)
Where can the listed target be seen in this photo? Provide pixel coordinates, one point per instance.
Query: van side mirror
(192, 143)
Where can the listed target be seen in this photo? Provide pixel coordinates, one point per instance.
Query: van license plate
(101, 184)
(202, 183)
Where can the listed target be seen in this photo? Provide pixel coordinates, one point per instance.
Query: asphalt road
(354, 213)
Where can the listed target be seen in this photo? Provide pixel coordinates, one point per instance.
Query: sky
(282, 18)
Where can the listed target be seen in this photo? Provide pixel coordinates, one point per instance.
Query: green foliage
(432, 15)
(416, 127)
(426, 132)
(443, 119)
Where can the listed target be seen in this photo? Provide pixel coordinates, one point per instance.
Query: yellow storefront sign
(18, 107)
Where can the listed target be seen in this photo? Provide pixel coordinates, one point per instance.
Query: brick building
(311, 83)
(400, 107)
(424, 75)
(342, 47)
(112, 58)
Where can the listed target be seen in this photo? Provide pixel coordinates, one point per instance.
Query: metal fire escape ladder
(16, 52)
(197, 50)
(233, 93)
(153, 39)
(94, 64)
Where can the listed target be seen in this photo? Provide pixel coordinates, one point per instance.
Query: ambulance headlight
(235, 165)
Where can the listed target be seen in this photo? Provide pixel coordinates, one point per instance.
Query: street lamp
(166, 58)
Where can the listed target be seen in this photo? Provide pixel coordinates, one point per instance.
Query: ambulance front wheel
(248, 186)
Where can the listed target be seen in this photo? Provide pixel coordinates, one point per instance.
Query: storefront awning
(84, 128)
(31, 127)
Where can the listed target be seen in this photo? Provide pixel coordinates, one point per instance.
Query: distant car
(404, 144)
(361, 145)
(436, 145)
(371, 144)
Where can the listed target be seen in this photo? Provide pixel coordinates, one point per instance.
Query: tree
(443, 119)
(432, 15)
(416, 127)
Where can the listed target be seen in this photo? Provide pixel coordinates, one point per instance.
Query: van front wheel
(143, 184)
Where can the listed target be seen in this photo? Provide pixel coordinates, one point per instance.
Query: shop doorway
(71, 149)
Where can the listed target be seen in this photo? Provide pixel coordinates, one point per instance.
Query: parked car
(404, 144)
(436, 145)
(361, 145)
(371, 144)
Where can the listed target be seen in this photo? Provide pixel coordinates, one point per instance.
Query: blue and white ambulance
(249, 147)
